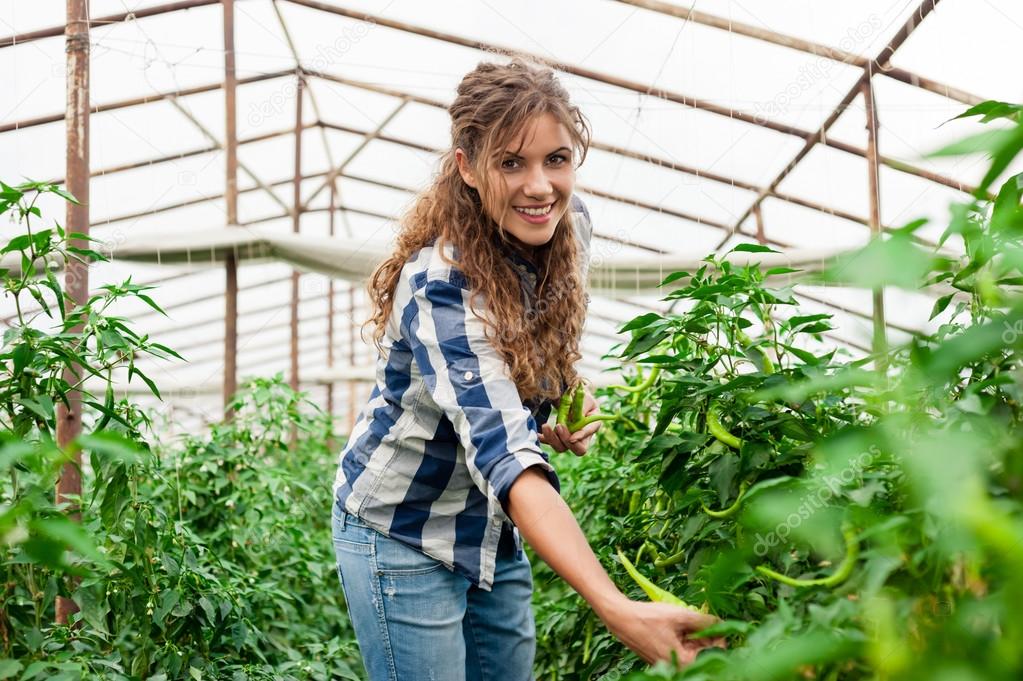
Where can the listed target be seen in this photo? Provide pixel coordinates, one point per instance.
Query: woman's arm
(652, 630)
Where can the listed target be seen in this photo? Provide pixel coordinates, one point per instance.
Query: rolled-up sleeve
(469, 381)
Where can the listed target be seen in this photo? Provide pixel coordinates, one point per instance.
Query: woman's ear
(464, 169)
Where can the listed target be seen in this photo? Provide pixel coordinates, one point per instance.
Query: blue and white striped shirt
(434, 453)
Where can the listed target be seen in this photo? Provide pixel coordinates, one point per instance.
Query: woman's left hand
(561, 439)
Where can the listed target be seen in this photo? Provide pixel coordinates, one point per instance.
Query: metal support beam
(634, 86)
(138, 101)
(330, 303)
(820, 135)
(54, 31)
(231, 199)
(76, 276)
(880, 342)
(367, 138)
(296, 214)
(806, 46)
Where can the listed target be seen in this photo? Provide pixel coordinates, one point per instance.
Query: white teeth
(536, 211)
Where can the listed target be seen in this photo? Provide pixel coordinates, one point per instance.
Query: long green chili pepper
(647, 382)
(730, 511)
(575, 410)
(592, 418)
(587, 639)
(845, 568)
(748, 342)
(656, 593)
(673, 559)
(634, 501)
(719, 431)
(108, 405)
(563, 407)
(570, 410)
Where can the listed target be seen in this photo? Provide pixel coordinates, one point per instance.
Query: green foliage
(871, 522)
(207, 558)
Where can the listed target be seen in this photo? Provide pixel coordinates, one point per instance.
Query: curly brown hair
(494, 104)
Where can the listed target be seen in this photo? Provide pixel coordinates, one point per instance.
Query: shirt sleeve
(469, 381)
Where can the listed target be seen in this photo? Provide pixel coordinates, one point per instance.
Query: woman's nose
(537, 184)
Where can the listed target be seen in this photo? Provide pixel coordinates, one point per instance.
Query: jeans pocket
(350, 537)
(396, 558)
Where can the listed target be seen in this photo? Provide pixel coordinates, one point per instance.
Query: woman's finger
(550, 436)
(585, 433)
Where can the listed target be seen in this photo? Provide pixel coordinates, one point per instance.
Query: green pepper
(592, 418)
(570, 410)
(587, 638)
(719, 431)
(647, 382)
(563, 407)
(575, 410)
(845, 568)
(656, 593)
(730, 511)
(746, 342)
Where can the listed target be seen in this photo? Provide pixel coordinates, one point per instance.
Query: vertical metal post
(761, 236)
(880, 341)
(231, 199)
(76, 276)
(351, 355)
(330, 305)
(296, 214)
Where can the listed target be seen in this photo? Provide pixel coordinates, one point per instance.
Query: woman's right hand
(654, 630)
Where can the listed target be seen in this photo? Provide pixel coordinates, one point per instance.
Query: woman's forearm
(547, 523)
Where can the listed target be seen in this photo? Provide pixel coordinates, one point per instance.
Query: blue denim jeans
(415, 620)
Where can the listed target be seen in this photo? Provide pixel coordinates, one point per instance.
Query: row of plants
(206, 557)
(846, 518)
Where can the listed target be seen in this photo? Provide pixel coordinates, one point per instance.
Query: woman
(477, 316)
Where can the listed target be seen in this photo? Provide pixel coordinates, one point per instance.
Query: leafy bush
(208, 558)
(847, 519)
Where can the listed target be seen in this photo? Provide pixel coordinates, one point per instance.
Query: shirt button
(468, 376)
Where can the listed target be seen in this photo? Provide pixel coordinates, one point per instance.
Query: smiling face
(530, 182)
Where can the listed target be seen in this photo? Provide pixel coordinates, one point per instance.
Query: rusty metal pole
(880, 341)
(351, 356)
(231, 199)
(330, 304)
(296, 214)
(76, 276)
(761, 235)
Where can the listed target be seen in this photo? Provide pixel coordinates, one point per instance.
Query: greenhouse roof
(714, 123)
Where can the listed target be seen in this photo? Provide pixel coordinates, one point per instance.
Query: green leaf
(987, 141)
(753, 248)
(60, 528)
(42, 409)
(674, 276)
(774, 271)
(940, 304)
(640, 322)
(21, 355)
(113, 445)
(18, 243)
(9, 668)
(992, 109)
(896, 261)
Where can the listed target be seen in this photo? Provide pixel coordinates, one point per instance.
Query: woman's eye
(558, 159)
(508, 163)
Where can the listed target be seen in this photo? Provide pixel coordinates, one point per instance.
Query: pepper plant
(847, 518)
